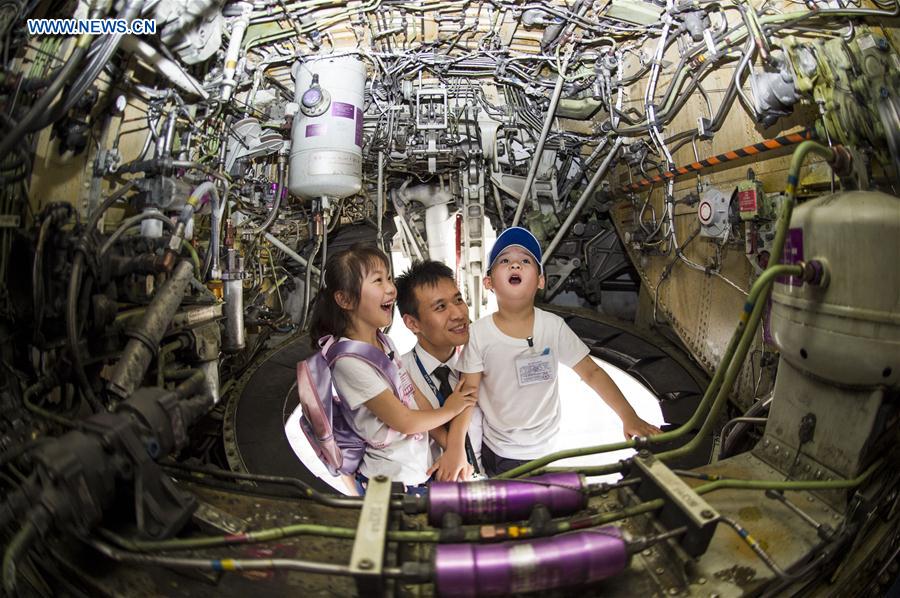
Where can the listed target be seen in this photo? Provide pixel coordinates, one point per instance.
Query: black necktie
(442, 373)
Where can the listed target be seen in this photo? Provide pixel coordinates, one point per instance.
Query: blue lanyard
(441, 398)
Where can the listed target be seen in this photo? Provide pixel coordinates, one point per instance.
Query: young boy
(514, 354)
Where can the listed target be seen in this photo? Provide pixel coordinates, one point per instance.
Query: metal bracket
(367, 558)
(683, 506)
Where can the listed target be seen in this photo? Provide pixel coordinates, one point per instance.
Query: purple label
(343, 110)
(316, 130)
(793, 254)
(359, 127)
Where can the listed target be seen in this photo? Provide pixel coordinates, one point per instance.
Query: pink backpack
(327, 419)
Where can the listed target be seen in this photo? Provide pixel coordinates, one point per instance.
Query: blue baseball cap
(516, 236)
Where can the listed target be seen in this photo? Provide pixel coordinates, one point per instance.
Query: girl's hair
(344, 271)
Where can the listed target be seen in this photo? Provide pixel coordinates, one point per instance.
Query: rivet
(365, 564)
(707, 514)
(701, 581)
(660, 570)
(673, 591)
(381, 479)
(647, 552)
(766, 442)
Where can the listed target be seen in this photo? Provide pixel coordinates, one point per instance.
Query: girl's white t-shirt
(520, 421)
(406, 459)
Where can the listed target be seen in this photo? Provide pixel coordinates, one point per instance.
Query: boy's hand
(460, 399)
(638, 427)
(450, 468)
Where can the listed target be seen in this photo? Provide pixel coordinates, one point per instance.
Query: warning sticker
(334, 163)
(359, 127)
(316, 130)
(343, 110)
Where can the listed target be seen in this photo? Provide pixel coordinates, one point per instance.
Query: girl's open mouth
(387, 306)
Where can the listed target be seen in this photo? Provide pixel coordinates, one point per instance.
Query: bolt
(818, 474)
(766, 442)
(707, 514)
(647, 552)
(673, 591)
(365, 564)
(644, 453)
(660, 570)
(701, 581)
(777, 449)
(885, 93)
(381, 479)
(881, 44)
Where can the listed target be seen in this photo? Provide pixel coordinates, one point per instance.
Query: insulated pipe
(539, 149)
(506, 500)
(162, 65)
(569, 560)
(379, 208)
(144, 342)
(588, 193)
(234, 50)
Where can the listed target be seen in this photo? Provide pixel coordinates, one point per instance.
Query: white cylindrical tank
(847, 332)
(326, 140)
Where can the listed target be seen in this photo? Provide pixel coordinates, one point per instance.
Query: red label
(747, 200)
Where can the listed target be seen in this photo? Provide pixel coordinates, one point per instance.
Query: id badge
(534, 369)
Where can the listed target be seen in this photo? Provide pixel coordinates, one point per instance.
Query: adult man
(433, 309)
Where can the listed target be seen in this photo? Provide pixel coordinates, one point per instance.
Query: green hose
(716, 393)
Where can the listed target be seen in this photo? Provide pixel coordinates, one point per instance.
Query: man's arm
(453, 464)
(594, 376)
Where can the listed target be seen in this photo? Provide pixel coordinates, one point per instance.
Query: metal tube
(539, 149)
(588, 193)
(569, 560)
(290, 252)
(234, 316)
(144, 342)
(506, 500)
(379, 208)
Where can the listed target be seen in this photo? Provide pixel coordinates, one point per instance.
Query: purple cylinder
(511, 567)
(506, 500)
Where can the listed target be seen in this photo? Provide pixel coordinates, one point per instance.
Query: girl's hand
(460, 399)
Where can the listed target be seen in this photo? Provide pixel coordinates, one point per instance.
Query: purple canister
(568, 560)
(506, 500)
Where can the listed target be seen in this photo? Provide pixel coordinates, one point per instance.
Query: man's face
(443, 320)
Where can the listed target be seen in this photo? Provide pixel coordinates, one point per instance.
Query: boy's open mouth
(387, 306)
(515, 279)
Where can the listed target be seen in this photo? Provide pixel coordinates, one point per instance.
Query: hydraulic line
(481, 533)
(129, 223)
(539, 148)
(755, 149)
(24, 126)
(586, 195)
(14, 551)
(716, 393)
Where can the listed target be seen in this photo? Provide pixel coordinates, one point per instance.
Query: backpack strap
(389, 369)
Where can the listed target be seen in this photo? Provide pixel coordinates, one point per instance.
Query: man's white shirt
(431, 363)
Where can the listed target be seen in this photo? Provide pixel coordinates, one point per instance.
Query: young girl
(356, 302)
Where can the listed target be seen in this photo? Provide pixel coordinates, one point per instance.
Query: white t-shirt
(405, 460)
(520, 421)
(430, 363)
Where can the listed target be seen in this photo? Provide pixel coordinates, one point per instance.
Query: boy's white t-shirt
(405, 460)
(520, 422)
